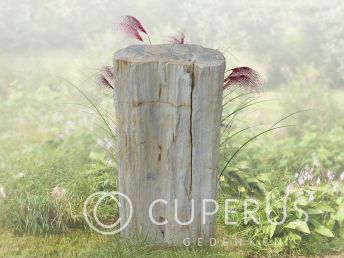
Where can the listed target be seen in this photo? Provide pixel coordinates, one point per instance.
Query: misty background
(278, 38)
(58, 147)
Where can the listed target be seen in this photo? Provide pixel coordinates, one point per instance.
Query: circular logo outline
(99, 223)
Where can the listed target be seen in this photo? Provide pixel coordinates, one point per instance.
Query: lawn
(88, 244)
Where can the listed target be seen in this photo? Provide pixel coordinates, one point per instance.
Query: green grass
(88, 244)
(51, 136)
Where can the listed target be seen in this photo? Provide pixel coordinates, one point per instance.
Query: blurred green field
(50, 137)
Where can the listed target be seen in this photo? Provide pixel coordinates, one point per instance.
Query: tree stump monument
(168, 101)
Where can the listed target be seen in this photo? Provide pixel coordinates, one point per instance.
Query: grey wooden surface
(168, 101)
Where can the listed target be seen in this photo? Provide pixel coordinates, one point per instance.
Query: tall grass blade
(247, 142)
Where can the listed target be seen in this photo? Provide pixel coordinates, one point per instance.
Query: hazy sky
(279, 35)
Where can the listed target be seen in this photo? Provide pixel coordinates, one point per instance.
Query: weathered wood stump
(168, 101)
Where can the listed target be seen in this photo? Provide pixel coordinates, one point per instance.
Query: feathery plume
(244, 77)
(177, 39)
(106, 77)
(132, 27)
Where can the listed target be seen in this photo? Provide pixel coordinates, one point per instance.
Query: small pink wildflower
(301, 180)
(308, 173)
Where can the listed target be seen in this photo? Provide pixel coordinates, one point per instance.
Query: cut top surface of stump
(174, 53)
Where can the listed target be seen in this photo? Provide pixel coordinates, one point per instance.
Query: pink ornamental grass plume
(244, 77)
(132, 27)
(177, 39)
(106, 77)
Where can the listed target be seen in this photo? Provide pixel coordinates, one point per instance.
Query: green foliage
(42, 149)
(307, 90)
(40, 157)
(31, 208)
(87, 244)
(306, 221)
(267, 165)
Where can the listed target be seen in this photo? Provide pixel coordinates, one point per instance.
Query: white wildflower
(330, 175)
(341, 177)
(289, 189)
(2, 192)
(311, 197)
(19, 175)
(58, 192)
(336, 187)
(110, 162)
(318, 181)
(316, 162)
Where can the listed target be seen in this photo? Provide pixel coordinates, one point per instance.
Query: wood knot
(160, 150)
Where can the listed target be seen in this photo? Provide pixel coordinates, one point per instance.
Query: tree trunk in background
(168, 101)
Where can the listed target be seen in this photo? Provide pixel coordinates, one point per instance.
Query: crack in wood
(136, 104)
(191, 143)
